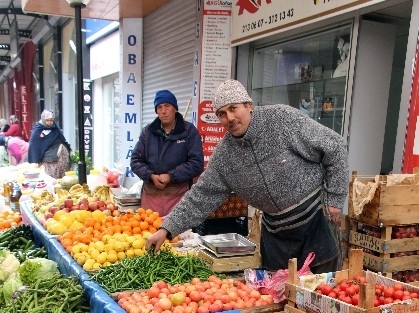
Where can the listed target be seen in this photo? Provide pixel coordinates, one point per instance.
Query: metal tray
(228, 243)
(127, 198)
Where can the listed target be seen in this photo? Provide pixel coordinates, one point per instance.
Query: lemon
(138, 243)
(100, 246)
(102, 258)
(139, 252)
(96, 266)
(129, 253)
(121, 255)
(84, 215)
(67, 220)
(94, 254)
(106, 238)
(75, 225)
(57, 228)
(88, 265)
(76, 250)
(59, 214)
(81, 260)
(109, 246)
(99, 215)
(119, 246)
(112, 257)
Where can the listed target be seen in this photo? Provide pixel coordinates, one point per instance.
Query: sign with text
(253, 19)
(215, 68)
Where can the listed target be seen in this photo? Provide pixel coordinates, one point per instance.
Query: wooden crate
(391, 205)
(230, 264)
(381, 254)
(303, 300)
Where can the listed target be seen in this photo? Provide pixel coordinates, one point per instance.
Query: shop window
(308, 73)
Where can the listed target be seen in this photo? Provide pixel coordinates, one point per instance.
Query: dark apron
(296, 232)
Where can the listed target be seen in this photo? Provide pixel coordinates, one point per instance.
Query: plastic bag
(273, 283)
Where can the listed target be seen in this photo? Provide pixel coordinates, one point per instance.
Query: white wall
(373, 68)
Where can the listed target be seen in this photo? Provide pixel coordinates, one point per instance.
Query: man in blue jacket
(167, 156)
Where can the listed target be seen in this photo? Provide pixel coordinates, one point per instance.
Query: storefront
(346, 64)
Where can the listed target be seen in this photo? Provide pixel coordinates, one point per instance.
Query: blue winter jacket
(180, 154)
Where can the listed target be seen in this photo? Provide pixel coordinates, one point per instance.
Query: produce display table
(100, 301)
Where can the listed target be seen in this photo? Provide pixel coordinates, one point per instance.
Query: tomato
(388, 292)
(153, 292)
(350, 291)
(195, 296)
(355, 299)
(164, 304)
(343, 285)
(378, 292)
(413, 295)
(398, 294)
(388, 300)
(381, 300)
(326, 289)
(398, 286)
(347, 300)
(333, 294)
(360, 279)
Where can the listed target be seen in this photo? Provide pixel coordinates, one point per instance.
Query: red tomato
(347, 300)
(333, 294)
(398, 286)
(388, 300)
(413, 295)
(153, 292)
(350, 291)
(376, 302)
(355, 299)
(378, 292)
(343, 285)
(381, 300)
(388, 292)
(398, 294)
(360, 279)
(326, 289)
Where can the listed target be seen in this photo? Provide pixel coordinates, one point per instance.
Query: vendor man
(281, 161)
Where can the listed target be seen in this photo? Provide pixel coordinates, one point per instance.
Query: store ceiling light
(81, 3)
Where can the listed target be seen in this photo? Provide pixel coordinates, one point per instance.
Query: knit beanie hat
(230, 91)
(165, 96)
(45, 115)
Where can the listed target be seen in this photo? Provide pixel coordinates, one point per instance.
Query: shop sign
(254, 19)
(215, 67)
(87, 117)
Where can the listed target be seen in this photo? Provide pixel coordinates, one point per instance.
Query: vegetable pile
(20, 241)
(53, 294)
(142, 271)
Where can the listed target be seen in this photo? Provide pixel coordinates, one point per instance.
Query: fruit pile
(348, 291)
(9, 219)
(212, 295)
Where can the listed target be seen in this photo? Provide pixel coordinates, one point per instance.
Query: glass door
(308, 73)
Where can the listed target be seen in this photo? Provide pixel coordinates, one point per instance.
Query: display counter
(100, 301)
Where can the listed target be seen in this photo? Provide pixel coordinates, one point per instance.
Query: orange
(144, 225)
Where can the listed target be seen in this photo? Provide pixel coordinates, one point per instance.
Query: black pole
(82, 162)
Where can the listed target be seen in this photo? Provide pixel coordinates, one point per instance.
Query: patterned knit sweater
(283, 157)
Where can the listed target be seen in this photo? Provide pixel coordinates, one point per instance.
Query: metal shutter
(169, 40)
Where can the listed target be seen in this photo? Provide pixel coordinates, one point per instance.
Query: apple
(83, 201)
(68, 203)
(110, 207)
(93, 205)
(48, 215)
(66, 210)
(100, 204)
(107, 212)
(53, 209)
(75, 207)
(83, 206)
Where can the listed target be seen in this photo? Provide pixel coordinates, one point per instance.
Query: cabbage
(9, 264)
(33, 269)
(9, 287)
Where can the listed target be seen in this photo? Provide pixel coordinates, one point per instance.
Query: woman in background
(17, 150)
(4, 126)
(14, 129)
(48, 146)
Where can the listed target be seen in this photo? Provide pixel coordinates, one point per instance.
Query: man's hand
(334, 214)
(156, 240)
